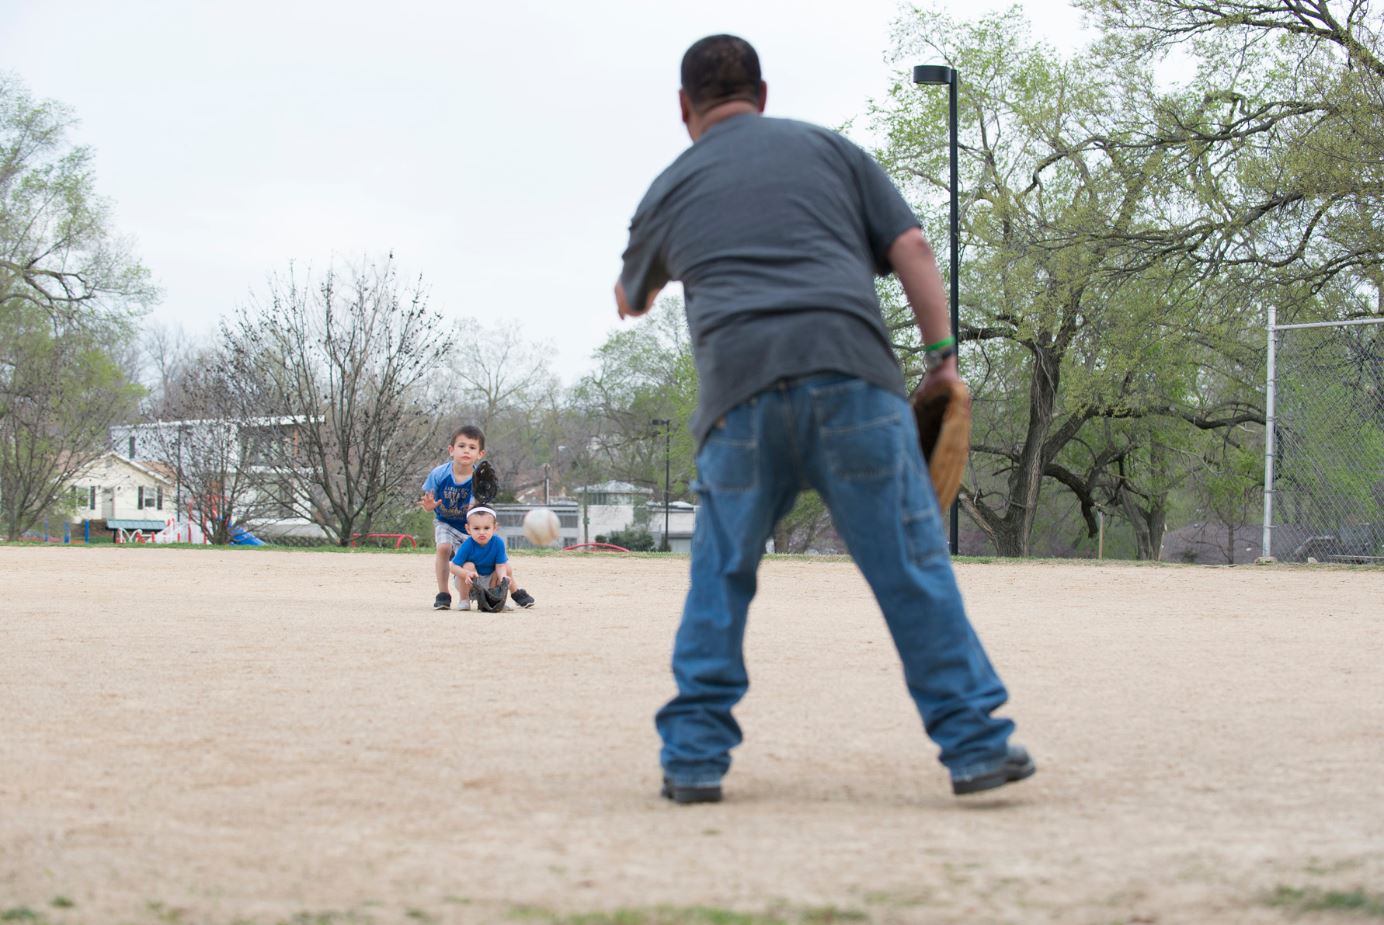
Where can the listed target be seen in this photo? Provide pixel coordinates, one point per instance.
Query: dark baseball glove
(490, 600)
(485, 485)
(943, 412)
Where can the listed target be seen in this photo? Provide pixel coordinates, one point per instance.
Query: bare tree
(167, 357)
(216, 456)
(343, 362)
(505, 385)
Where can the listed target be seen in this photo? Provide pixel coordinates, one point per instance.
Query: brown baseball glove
(485, 485)
(943, 413)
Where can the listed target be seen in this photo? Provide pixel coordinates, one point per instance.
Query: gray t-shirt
(776, 230)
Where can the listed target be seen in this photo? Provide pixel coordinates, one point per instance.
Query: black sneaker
(523, 598)
(443, 601)
(685, 795)
(1014, 766)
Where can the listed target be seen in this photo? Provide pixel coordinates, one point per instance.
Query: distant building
(190, 442)
(681, 518)
(612, 507)
(120, 494)
(603, 509)
(510, 523)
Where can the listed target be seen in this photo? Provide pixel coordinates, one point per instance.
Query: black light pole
(937, 74)
(667, 426)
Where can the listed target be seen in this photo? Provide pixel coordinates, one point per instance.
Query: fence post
(1266, 544)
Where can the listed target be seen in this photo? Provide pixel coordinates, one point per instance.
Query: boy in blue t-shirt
(482, 562)
(447, 493)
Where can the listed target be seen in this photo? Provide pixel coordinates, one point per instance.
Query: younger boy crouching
(481, 563)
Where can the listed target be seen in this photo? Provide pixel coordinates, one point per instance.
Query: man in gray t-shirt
(776, 230)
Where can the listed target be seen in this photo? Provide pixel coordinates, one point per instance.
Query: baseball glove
(490, 600)
(485, 485)
(943, 412)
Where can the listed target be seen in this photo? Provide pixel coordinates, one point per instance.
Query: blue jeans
(857, 445)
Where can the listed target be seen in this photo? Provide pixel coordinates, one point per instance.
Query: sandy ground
(221, 736)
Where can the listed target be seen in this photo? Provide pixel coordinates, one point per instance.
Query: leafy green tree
(1066, 320)
(64, 393)
(58, 253)
(1281, 131)
(644, 373)
(69, 288)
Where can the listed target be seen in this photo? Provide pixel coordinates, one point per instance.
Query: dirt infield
(197, 736)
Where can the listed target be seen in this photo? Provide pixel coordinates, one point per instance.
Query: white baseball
(541, 526)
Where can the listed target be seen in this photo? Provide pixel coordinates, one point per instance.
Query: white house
(126, 495)
(192, 442)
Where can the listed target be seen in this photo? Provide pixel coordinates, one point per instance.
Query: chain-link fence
(1324, 473)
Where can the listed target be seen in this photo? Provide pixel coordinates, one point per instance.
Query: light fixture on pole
(937, 75)
(667, 426)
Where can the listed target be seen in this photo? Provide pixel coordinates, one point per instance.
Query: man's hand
(947, 372)
(942, 410)
(622, 302)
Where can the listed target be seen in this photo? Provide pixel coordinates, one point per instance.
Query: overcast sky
(498, 149)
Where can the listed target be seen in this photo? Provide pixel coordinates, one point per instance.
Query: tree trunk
(1010, 532)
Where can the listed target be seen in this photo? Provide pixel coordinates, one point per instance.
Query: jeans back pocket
(861, 430)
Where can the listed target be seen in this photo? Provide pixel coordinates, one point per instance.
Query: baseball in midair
(540, 526)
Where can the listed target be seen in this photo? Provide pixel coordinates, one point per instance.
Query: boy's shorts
(446, 533)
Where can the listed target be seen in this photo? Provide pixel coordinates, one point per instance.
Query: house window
(159, 496)
(149, 497)
(92, 503)
(139, 497)
(132, 446)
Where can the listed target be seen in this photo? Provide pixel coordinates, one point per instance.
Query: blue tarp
(242, 537)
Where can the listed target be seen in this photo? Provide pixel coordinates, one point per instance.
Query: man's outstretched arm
(623, 304)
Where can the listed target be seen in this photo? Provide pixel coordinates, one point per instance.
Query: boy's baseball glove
(485, 485)
(490, 600)
(943, 413)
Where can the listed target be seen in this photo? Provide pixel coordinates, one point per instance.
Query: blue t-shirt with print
(452, 496)
(484, 558)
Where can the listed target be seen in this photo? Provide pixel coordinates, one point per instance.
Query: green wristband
(944, 342)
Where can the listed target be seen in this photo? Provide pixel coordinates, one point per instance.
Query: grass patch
(20, 914)
(1352, 902)
(61, 902)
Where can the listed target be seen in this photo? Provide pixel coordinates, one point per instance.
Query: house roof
(160, 474)
(162, 469)
(265, 421)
